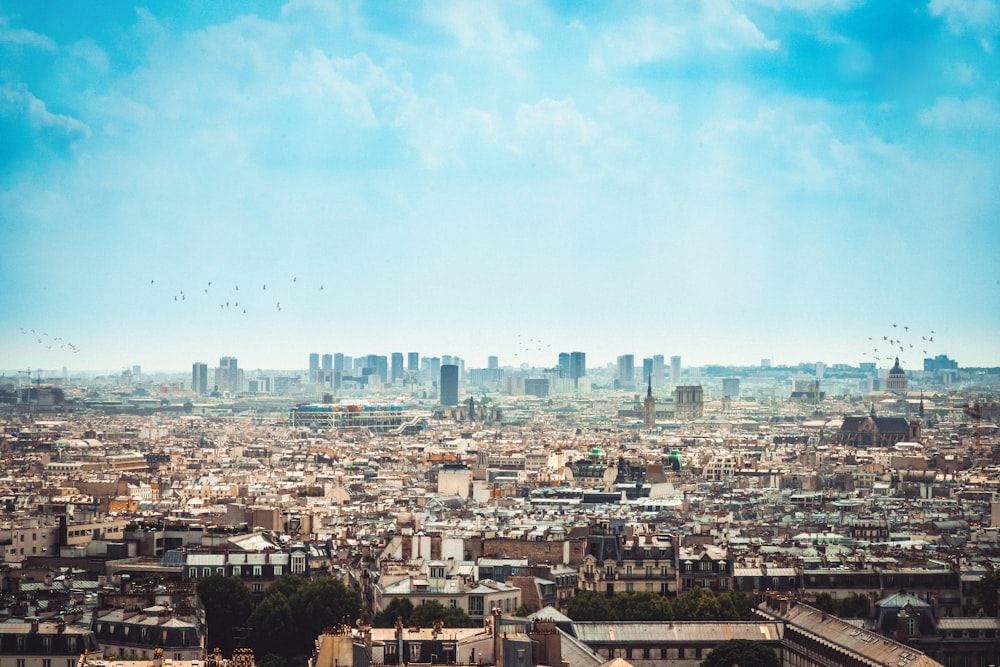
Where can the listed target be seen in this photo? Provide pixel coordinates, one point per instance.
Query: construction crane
(975, 412)
(38, 375)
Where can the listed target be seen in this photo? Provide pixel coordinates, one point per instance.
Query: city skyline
(724, 181)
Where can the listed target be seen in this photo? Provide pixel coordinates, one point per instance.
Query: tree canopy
(293, 612)
(698, 604)
(227, 605)
(423, 615)
(986, 594)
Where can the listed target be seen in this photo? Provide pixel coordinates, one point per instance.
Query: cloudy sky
(723, 180)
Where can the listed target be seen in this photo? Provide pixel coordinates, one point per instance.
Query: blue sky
(722, 180)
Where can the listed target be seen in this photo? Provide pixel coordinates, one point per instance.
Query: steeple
(649, 407)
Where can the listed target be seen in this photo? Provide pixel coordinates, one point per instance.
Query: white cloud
(557, 126)
(968, 114)
(478, 26)
(90, 53)
(977, 16)
(676, 32)
(812, 6)
(16, 101)
(22, 37)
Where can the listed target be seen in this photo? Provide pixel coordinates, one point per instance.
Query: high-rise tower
(449, 385)
(199, 378)
(675, 370)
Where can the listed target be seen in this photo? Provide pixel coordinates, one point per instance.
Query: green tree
(321, 604)
(293, 612)
(742, 652)
(736, 606)
(825, 602)
(589, 606)
(271, 625)
(641, 606)
(854, 605)
(426, 613)
(525, 610)
(985, 594)
(398, 608)
(697, 604)
(227, 604)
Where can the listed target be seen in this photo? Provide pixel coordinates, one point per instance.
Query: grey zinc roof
(550, 613)
(832, 631)
(969, 623)
(641, 632)
(576, 653)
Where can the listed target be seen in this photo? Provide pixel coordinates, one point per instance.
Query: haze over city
(726, 181)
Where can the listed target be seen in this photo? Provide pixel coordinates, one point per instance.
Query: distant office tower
(434, 368)
(536, 387)
(228, 375)
(940, 363)
(731, 387)
(820, 370)
(675, 370)
(327, 363)
(765, 363)
(563, 365)
(313, 366)
(136, 372)
(199, 378)
(397, 366)
(338, 362)
(626, 370)
(446, 360)
(449, 385)
(413, 361)
(375, 364)
(577, 365)
(658, 370)
(493, 363)
(647, 370)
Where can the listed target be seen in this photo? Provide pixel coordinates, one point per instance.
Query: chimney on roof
(34, 624)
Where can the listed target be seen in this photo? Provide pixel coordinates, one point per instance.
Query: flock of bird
(530, 344)
(897, 342)
(231, 298)
(50, 342)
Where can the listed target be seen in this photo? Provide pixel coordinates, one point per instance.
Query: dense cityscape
(353, 333)
(423, 511)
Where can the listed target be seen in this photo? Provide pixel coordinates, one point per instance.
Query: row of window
(72, 644)
(237, 571)
(46, 662)
(662, 653)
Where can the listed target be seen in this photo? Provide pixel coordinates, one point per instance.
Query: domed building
(897, 382)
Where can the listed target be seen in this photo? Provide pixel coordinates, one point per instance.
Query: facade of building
(377, 419)
(34, 643)
(897, 382)
(875, 431)
(689, 402)
(199, 378)
(449, 385)
(137, 635)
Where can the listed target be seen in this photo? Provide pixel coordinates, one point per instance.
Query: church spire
(649, 389)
